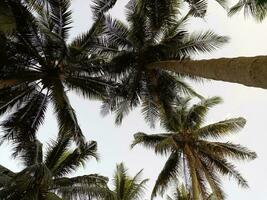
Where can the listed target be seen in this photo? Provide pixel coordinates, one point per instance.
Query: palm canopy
(191, 152)
(126, 187)
(147, 37)
(44, 176)
(38, 65)
(181, 192)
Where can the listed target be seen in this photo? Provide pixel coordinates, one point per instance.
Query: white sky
(248, 38)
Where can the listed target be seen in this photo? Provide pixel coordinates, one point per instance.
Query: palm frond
(251, 8)
(22, 125)
(226, 168)
(169, 173)
(203, 42)
(56, 150)
(228, 150)
(197, 113)
(117, 32)
(100, 7)
(149, 141)
(66, 116)
(30, 152)
(150, 111)
(61, 16)
(70, 161)
(222, 128)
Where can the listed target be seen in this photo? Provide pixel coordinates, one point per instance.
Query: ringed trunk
(249, 71)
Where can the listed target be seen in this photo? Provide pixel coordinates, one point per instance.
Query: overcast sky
(248, 38)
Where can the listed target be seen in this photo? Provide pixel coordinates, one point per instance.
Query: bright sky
(248, 38)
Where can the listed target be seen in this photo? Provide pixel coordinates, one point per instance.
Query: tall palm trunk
(194, 179)
(194, 184)
(249, 71)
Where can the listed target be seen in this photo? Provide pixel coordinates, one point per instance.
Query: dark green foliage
(191, 155)
(126, 187)
(154, 32)
(43, 176)
(39, 66)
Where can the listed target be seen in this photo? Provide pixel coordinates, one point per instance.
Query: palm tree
(183, 193)
(126, 187)
(38, 66)
(200, 160)
(180, 193)
(249, 71)
(44, 177)
(147, 38)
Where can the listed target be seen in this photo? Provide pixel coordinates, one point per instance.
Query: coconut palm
(193, 151)
(180, 193)
(249, 71)
(183, 193)
(126, 187)
(146, 38)
(38, 66)
(44, 176)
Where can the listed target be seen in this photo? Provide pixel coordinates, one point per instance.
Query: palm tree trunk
(249, 71)
(194, 184)
(192, 169)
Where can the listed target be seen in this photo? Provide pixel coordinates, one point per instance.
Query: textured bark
(249, 71)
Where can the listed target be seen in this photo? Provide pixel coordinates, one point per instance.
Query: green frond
(221, 129)
(197, 113)
(169, 173)
(225, 168)
(88, 86)
(70, 161)
(203, 42)
(55, 151)
(100, 7)
(227, 150)
(150, 111)
(61, 16)
(126, 187)
(21, 126)
(149, 141)
(198, 8)
(166, 146)
(66, 116)
(161, 13)
(117, 32)
(30, 152)
(252, 8)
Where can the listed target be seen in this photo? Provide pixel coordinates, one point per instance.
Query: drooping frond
(31, 153)
(169, 173)
(66, 116)
(253, 8)
(81, 187)
(227, 150)
(22, 125)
